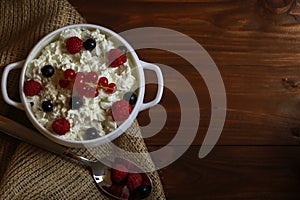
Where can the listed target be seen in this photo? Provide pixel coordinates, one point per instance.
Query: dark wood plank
(235, 172)
(254, 48)
(260, 110)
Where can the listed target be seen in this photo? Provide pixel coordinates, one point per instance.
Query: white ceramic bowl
(139, 106)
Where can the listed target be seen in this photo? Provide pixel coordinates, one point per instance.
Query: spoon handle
(25, 134)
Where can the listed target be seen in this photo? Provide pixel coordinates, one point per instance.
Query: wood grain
(235, 172)
(254, 47)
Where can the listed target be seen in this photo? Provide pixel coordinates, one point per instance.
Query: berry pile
(128, 185)
(86, 84)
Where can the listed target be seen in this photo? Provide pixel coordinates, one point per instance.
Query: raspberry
(118, 173)
(116, 57)
(61, 126)
(32, 87)
(116, 189)
(145, 179)
(74, 45)
(91, 77)
(129, 165)
(120, 110)
(134, 180)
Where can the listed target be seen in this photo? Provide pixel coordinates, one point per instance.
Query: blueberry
(91, 133)
(89, 44)
(130, 97)
(75, 103)
(123, 48)
(144, 191)
(47, 70)
(47, 106)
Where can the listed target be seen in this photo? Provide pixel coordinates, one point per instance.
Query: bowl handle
(160, 82)
(6, 71)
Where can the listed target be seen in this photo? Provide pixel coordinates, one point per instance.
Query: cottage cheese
(95, 112)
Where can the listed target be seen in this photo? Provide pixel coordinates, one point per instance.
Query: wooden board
(254, 48)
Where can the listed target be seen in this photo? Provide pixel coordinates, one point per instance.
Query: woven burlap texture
(27, 172)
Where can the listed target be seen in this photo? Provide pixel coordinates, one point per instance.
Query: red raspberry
(145, 179)
(120, 110)
(129, 165)
(32, 87)
(134, 180)
(118, 173)
(91, 77)
(61, 126)
(74, 45)
(116, 57)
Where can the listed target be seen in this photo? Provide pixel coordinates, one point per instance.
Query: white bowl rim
(103, 139)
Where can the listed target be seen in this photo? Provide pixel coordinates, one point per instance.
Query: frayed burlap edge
(31, 173)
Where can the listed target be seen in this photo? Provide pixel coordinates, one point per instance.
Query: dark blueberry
(47, 106)
(123, 48)
(75, 103)
(89, 44)
(130, 97)
(144, 191)
(47, 70)
(91, 133)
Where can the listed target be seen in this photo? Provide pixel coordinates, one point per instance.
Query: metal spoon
(99, 171)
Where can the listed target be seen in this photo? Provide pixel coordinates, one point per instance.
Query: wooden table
(255, 44)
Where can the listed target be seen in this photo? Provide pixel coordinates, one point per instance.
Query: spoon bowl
(102, 177)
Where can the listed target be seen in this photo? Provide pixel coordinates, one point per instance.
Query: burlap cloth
(27, 172)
